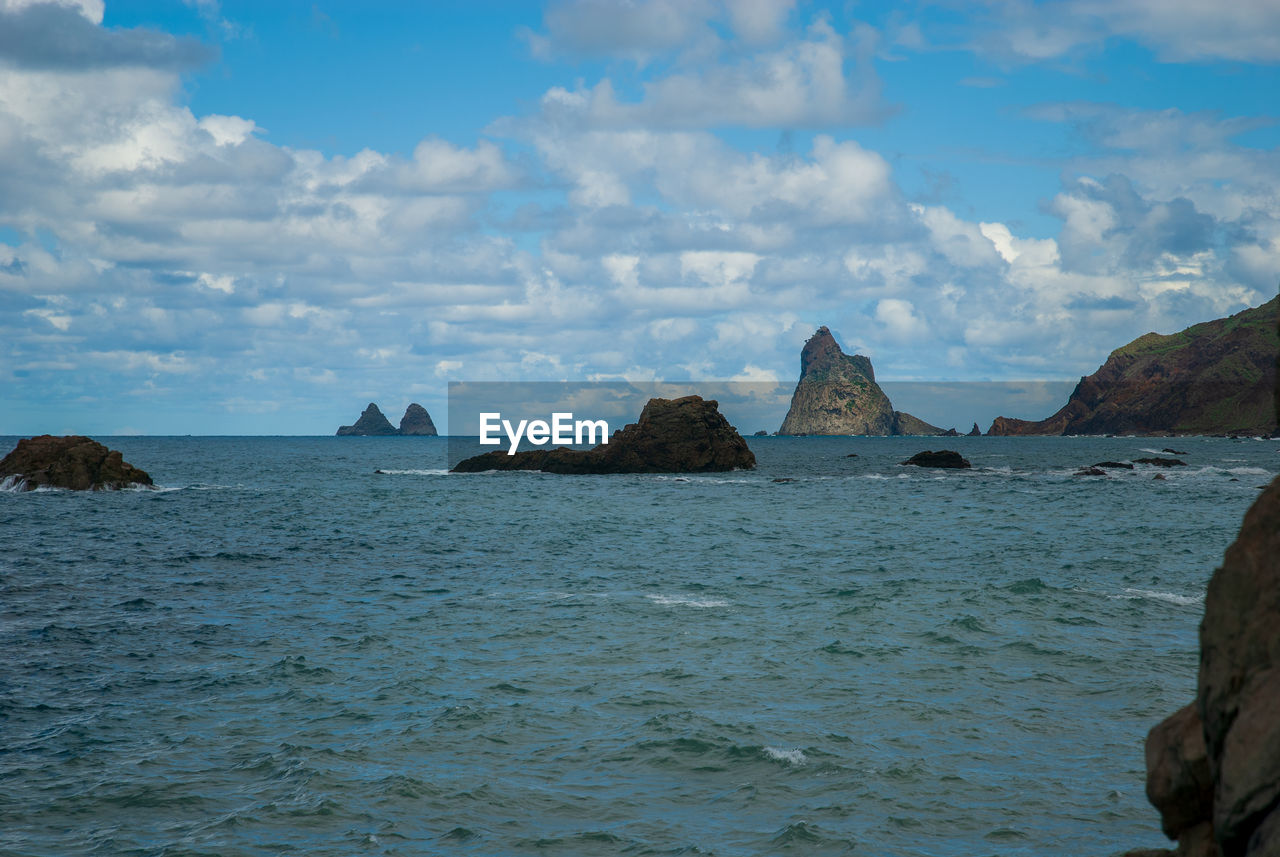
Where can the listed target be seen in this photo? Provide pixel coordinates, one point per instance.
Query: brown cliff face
(686, 435)
(837, 394)
(1212, 378)
(74, 462)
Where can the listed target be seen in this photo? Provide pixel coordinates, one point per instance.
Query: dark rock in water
(1159, 476)
(852, 455)
(942, 458)
(1212, 378)
(1160, 462)
(837, 394)
(761, 433)
(1174, 451)
(1090, 471)
(687, 435)
(782, 479)
(1213, 768)
(975, 431)
(371, 423)
(1114, 465)
(416, 422)
(75, 462)
(951, 432)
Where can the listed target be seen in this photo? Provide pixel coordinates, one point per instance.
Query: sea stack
(371, 423)
(1212, 378)
(837, 394)
(416, 422)
(75, 462)
(686, 435)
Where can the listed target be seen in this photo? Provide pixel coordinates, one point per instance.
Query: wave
(794, 757)
(1167, 597)
(680, 601)
(431, 471)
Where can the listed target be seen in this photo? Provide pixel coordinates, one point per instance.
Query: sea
(332, 646)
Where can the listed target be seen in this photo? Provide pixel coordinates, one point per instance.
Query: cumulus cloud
(67, 35)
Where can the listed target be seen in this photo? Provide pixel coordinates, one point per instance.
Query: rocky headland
(1212, 378)
(686, 435)
(74, 462)
(416, 422)
(837, 394)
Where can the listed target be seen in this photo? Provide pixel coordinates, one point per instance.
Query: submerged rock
(372, 423)
(942, 458)
(1160, 462)
(686, 435)
(75, 462)
(416, 422)
(1090, 471)
(1114, 465)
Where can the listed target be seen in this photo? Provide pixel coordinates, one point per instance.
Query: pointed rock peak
(371, 422)
(416, 421)
(371, 411)
(822, 352)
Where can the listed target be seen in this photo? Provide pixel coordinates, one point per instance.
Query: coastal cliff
(1212, 378)
(837, 394)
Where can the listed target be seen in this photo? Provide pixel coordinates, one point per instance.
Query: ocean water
(282, 651)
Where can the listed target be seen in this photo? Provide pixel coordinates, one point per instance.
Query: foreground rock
(942, 458)
(837, 394)
(1212, 378)
(74, 462)
(1213, 768)
(687, 435)
(372, 423)
(416, 422)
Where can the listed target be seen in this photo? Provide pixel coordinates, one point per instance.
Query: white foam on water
(791, 757)
(413, 472)
(680, 601)
(1167, 597)
(13, 485)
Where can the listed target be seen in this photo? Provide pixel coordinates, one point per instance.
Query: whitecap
(791, 757)
(1167, 597)
(680, 601)
(413, 472)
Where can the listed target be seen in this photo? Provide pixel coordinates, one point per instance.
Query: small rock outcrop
(946, 458)
(371, 423)
(837, 394)
(975, 431)
(1114, 465)
(686, 435)
(1213, 768)
(75, 462)
(416, 422)
(1160, 462)
(1212, 378)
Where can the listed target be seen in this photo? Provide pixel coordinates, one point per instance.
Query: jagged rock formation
(1212, 378)
(975, 431)
(687, 435)
(416, 422)
(75, 462)
(837, 394)
(1213, 768)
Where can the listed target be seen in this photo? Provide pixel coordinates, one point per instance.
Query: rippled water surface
(282, 651)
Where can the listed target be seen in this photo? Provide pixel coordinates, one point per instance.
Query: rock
(75, 462)
(1160, 476)
(945, 458)
(951, 432)
(1160, 462)
(975, 431)
(1239, 681)
(1179, 783)
(837, 394)
(416, 422)
(1090, 471)
(371, 423)
(1212, 378)
(761, 433)
(784, 479)
(852, 455)
(1114, 465)
(1173, 451)
(687, 435)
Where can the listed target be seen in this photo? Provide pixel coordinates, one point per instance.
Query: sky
(255, 218)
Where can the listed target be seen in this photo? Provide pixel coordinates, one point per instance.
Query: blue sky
(246, 217)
